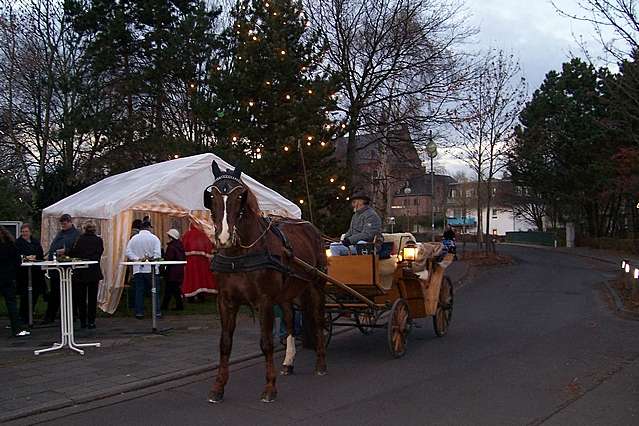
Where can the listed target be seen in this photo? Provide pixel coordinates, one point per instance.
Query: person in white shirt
(141, 246)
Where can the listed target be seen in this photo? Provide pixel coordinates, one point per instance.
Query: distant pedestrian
(174, 273)
(143, 246)
(86, 280)
(9, 263)
(63, 241)
(31, 251)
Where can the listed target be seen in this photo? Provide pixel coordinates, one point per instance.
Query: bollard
(634, 295)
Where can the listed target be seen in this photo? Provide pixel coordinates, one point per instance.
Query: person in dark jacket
(9, 264)
(174, 273)
(63, 241)
(30, 250)
(85, 280)
(366, 226)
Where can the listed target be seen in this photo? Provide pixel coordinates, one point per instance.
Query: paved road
(531, 343)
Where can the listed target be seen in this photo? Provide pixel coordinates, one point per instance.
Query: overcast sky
(533, 31)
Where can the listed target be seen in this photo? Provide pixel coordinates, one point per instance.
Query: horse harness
(259, 260)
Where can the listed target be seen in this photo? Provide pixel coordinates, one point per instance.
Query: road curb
(117, 390)
(132, 387)
(619, 306)
(164, 378)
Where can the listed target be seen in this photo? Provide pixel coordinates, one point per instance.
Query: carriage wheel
(328, 328)
(398, 327)
(366, 322)
(444, 313)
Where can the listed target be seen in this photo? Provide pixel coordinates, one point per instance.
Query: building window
(494, 213)
(469, 193)
(416, 202)
(452, 193)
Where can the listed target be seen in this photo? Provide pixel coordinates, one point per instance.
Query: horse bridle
(225, 189)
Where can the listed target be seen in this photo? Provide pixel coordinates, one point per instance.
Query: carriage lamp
(623, 264)
(409, 252)
(636, 274)
(328, 252)
(627, 267)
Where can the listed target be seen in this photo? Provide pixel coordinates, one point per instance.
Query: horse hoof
(287, 370)
(268, 398)
(321, 372)
(216, 397)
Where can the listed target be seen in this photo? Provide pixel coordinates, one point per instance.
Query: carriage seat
(387, 271)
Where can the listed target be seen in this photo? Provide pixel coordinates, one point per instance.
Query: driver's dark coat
(365, 225)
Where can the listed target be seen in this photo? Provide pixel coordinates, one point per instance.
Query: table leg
(154, 299)
(63, 318)
(72, 343)
(66, 315)
(30, 297)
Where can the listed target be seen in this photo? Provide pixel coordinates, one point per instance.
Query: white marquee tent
(171, 193)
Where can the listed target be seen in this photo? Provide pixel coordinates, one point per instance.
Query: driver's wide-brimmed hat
(360, 196)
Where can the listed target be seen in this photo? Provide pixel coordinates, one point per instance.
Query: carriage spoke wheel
(328, 328)
(398, 327)
(444, 313)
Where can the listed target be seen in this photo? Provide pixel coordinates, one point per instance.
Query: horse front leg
(266, 343)
(228, 315)
(289, 359)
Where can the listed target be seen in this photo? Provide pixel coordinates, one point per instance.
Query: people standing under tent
(86, 280)
(31, 251)
(135, 230)
(174, 273)
(9, 263)
(63, 241)
(135, 227)
(198, 277)
(144, 246)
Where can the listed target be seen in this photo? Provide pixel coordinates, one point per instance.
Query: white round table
(154, 264)
(65, 269)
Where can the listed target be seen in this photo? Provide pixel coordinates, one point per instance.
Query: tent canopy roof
(179, 183)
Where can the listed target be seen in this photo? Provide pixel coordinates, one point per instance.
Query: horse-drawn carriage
(267, 261)
(389, 287)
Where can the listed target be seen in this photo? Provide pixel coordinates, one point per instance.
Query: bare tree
(615, 22)
(399, 61)
(484, 122)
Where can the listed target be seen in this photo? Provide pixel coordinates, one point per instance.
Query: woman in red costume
(198, 277)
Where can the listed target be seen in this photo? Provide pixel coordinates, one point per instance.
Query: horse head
(229, 200)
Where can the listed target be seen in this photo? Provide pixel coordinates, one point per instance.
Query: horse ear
(237, 172)
(208, 202)
(216, 169)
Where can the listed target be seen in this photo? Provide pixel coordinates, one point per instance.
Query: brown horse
(253, 267)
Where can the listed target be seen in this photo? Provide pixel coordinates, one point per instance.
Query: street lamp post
(431, 150)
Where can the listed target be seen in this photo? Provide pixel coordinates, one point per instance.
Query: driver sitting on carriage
(365, 228)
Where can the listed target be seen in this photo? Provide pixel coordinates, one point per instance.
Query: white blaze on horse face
(290, 351)
(225, 235)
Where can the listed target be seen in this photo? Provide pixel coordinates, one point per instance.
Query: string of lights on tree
(251, 38)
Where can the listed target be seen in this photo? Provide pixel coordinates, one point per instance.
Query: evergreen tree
(148, 63)
(563, 150)
(273, 105)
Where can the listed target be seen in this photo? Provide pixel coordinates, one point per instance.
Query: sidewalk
(130, 358)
